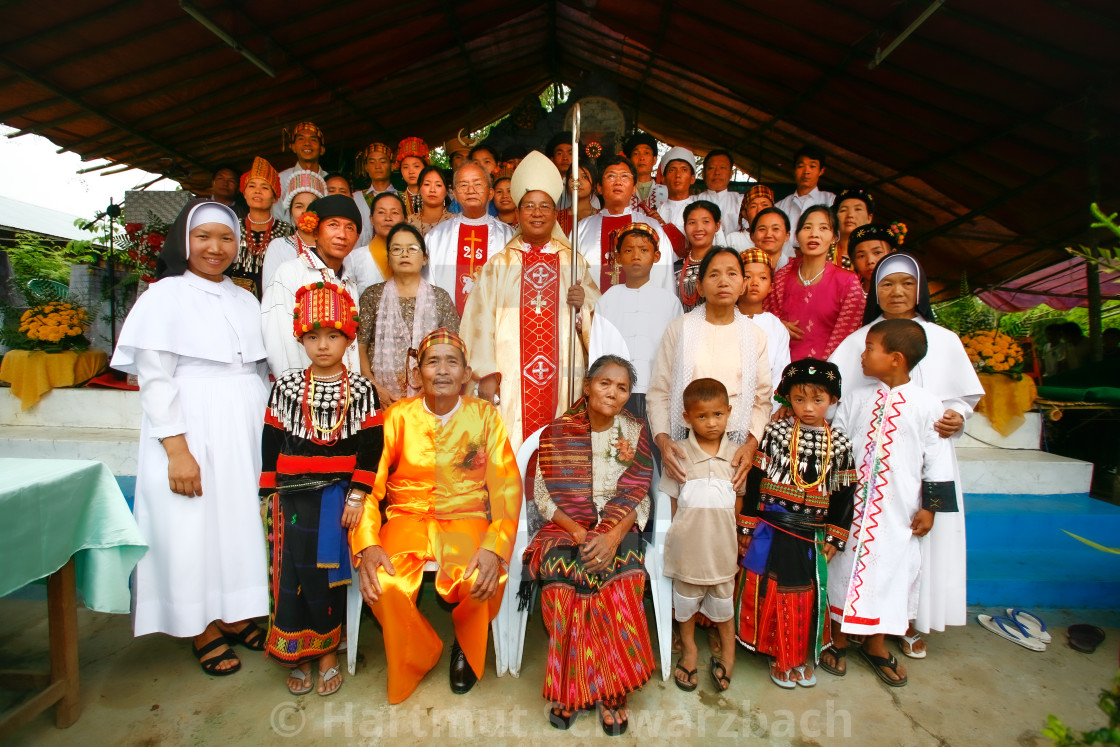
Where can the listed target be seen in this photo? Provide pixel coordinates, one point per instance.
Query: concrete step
(116, 447)
(75, 408)
(979, 434)
(1035, 579)
(1021, 472)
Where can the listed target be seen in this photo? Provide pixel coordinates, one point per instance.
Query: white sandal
(306, 678)
(910, 640)
(328, 675)
(1007, 628)
(1031, 623)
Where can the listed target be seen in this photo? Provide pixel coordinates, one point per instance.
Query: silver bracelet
(354, 504)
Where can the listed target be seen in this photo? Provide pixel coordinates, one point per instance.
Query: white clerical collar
(445, 417)
(608, 214)
(480, 221)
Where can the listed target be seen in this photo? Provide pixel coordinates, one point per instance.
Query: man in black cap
(335, 222)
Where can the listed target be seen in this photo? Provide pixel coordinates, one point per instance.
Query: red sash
(540, 339)
(606, 266)
(470, 256)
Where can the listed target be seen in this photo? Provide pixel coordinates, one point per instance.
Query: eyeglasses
(617, 177)
(532, 207)
(472, 186)
(398, 251)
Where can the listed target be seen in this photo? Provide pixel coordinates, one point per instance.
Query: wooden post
(62, 615)
(1092, 270)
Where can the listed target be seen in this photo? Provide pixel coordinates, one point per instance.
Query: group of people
(369, 368)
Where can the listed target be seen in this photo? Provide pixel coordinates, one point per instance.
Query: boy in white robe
(905, 474)
(631, 318)
(947, 373)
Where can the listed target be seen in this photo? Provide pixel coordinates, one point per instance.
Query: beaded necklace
(326, 402)
(795, 474)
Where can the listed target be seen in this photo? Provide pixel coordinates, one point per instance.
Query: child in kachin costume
(321, 447)
(796, 516)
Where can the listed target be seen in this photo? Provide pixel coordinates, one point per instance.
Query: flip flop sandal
(616, 729)
(251, 637)
(721, 680)
(1007, 628)
(878, 662)
(210, 666)
(784, 684)
(806, 682)
(838, 653)
(327, 676)
(910, 640)
(305, 677)
(1085, 638)
(1031, 623)
(687, 685)
(560, 721)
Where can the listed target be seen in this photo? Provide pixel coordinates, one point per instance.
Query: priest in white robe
(335, 237)
(517, 324)
(899, 291)
(458, 248)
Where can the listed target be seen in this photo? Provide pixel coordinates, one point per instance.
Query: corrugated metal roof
(23, 216)
(976, 131)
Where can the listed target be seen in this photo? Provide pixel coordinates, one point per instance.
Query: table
(33, 373)
(67, 521)
(1005, 401)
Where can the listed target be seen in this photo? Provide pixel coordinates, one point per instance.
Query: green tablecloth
(52, 509)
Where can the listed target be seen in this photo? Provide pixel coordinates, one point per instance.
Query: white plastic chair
(354, 604)
(513, 622)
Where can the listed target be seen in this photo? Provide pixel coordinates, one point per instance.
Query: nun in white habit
(194, 340)
(899, 291)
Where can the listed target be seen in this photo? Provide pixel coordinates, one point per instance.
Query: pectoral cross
(538, 302)
(614, 273)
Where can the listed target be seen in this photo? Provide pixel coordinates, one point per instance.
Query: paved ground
(974, 689)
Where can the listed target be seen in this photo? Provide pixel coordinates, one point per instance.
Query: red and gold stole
(469, 259)
(608, 273)
(540, 337)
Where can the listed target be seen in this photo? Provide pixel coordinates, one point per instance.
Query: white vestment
(196, 347)
(590, 246)
(285, 352)
(630, 322)
(946, 373)
(873, 584)
(444, 251)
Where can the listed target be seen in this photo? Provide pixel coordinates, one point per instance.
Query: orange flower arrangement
(992, 351)
(58, 325)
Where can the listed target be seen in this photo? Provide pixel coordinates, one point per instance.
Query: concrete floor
(974, 689)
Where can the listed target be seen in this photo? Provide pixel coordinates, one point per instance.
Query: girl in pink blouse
(819, 303)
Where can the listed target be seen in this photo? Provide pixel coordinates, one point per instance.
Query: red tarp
(1062, 286)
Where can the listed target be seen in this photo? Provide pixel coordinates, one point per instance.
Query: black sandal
(250, 636)
(721, 680)
(1085, 638)
(559, 720)
(687, 684)
(838, 654)
(878, 662)
(210, 666)
(616, 729)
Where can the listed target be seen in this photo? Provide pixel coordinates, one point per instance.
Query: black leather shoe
(462, 676)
